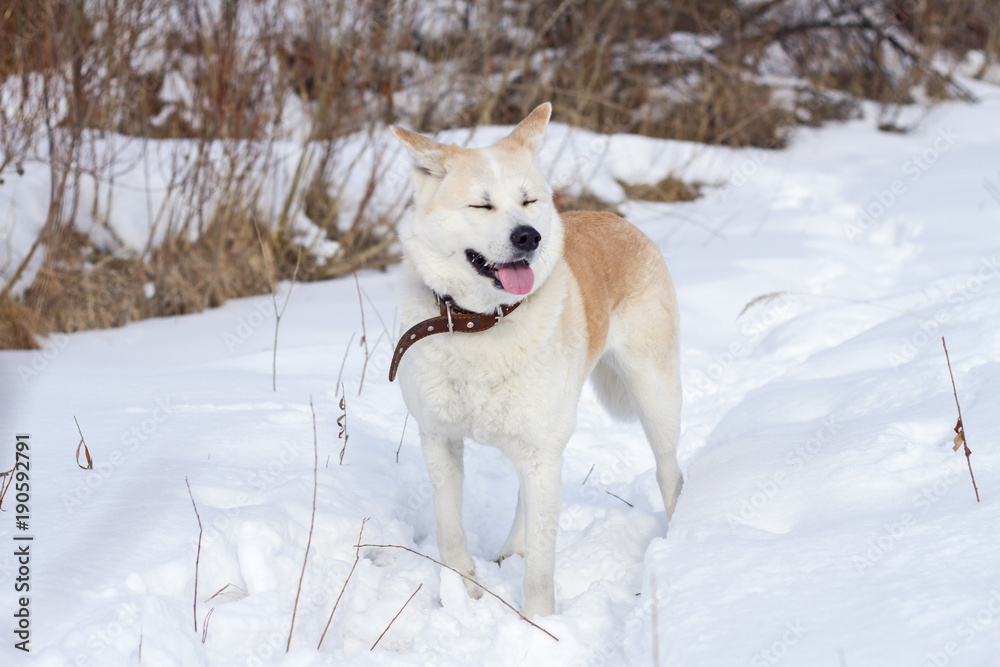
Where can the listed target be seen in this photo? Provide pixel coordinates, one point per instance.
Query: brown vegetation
(235, 81)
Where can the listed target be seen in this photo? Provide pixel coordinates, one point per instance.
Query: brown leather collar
(452, 319)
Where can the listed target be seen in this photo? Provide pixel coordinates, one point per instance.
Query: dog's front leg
(445, 466)
(541, 491)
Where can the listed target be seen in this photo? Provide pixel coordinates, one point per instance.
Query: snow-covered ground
(825, 518)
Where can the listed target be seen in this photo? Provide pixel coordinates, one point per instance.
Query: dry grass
(724, 107)
(16, 330)
(79, 288)
(584, 201)
(669, 189)
(224, 77)
(956, 25)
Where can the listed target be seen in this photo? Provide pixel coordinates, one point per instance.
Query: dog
(530, 303)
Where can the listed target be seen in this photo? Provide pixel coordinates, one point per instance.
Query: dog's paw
(507, 553)
(499, 558)
(475, 590)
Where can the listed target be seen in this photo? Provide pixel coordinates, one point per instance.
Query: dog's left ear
(529, 132)
(428, 155)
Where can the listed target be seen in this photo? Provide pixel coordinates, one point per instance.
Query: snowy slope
(825, 518)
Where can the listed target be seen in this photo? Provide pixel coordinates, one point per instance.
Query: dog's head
(485, 230)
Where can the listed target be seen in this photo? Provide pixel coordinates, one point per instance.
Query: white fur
(517, 385)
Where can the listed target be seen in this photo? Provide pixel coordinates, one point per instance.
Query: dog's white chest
(487, 386)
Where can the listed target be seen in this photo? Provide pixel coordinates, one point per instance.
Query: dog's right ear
(529, 132)
(428, 155)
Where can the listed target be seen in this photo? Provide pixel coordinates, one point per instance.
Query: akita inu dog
(547, 300)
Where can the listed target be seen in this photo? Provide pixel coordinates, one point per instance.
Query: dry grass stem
(312, 523)
(357, 557)
(238, 593)
(399, 449)
(342, 423)
(467, 578)
(771, 296)
(343, 361)
(278, 312)
(613, 495)
(5, 479)
(960, 440)
(86, 450)
(197, 558)
(364, 336)
(204, 625)
(395, 617)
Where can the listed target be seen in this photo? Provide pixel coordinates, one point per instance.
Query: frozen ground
(825, 519)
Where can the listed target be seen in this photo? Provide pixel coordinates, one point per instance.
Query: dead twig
(342, 423)
(405, 419)
(771, 296)
(364, 334)
(395, 617)
(278, 312)
(312, 523)
(344, 360)
(464, 576)
(5, 479)
(204, 625)
(960, 427)
(197, 558)
(357, 557)
(239, 595)
(86, 450)
(619, 498)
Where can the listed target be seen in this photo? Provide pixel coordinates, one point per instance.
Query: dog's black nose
(525, 238)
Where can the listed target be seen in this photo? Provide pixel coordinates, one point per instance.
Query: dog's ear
(529, 132)
(428, 155)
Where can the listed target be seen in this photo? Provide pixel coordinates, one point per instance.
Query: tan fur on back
(608, 256)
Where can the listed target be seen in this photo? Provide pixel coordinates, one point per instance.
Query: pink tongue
(516, 278)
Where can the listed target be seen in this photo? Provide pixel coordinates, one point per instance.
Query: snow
(144, 189)
(824, 520)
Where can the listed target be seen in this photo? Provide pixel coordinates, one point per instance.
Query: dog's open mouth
(515, 277)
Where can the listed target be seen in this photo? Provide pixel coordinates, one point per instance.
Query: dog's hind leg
(446, 469)
(645, 353)
(657, 393)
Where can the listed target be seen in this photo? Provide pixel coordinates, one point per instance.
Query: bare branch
(467, 578)
(312, 523)
(197, 558)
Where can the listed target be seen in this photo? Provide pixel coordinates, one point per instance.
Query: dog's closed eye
(485, 207)
(528, 202)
